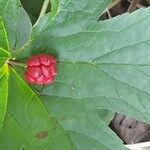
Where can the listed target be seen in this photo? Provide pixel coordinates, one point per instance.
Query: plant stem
(133, 5)
(108, 12)
(43, 11)
(138, 5)
(15, 63)
(114, 3)
(44, 8)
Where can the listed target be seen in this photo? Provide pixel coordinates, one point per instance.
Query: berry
(41, 69)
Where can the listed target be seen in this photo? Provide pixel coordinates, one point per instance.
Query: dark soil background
(118, 7)
(129, 130)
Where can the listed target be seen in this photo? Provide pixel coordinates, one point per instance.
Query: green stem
(15, 63)
(44, 8)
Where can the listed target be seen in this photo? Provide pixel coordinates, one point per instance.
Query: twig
(137, 5)
(44, 8)
(133, 5)
(138, 145)
(16, 63)
(108, 12)
(114, 3)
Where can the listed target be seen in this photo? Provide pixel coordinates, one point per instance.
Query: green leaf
(83, 125)
(71, 16)
(3, 36)
(4, 56)
(103, 64)
(9, 12)
(12, 137)
(3, 93)
(30, 119)
(44, 22)
(17, 23)
(33, 7)
(33, 19)
(23, 29)
(106, 115)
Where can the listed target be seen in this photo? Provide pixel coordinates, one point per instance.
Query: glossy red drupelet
(41, 69)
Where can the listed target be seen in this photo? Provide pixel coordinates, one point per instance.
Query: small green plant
(103, 67)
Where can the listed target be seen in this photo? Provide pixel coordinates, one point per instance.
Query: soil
(128, 129)
(124, 6)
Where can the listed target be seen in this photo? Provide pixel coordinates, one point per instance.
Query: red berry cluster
(41, 69)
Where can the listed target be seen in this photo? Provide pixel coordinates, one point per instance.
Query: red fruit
(41, 69)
